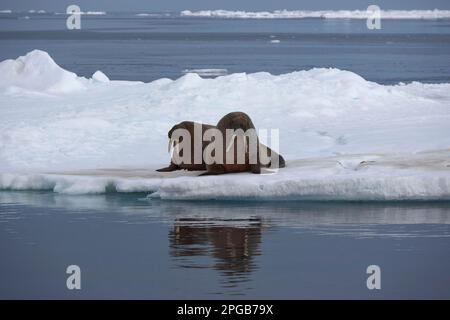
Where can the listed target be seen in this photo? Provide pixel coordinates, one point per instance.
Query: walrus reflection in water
(243, 156)
(233, 248)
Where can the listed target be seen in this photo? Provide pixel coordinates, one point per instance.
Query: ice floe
(324, 14)
(344, 138)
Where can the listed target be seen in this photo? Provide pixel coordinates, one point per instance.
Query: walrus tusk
(169, 145)
(173, 146)
(233, 137)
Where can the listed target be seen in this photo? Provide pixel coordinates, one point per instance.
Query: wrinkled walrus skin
(188, 125)
(235, 121)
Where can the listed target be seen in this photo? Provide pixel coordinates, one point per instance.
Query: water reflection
(135, 208)
(218, 247)
(232, 248)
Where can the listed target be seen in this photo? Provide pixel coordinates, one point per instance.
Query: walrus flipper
(172, 167)
(281, 162)
(213, 170)
(255, 168)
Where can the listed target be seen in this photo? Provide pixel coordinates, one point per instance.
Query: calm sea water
(126, 46)
(129, 247)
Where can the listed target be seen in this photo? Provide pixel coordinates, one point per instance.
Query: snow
(37, 71)
(326, 14)
(344, 138)
(100, 76)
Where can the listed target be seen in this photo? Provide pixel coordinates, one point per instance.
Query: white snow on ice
(100, 76)
(324, 14)
(344, 138)
(38, 72)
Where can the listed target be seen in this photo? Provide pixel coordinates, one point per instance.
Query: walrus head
(236, 120)
(174, 142)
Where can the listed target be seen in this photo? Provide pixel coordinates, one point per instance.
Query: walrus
(192, 166)
(250, 160)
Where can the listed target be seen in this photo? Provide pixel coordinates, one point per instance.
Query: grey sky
(175, 5)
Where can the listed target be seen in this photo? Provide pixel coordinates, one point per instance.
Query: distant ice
(325, 14)
(207, 72)
(147, 14)
(344, 138)
(144, 14)
(5, 11)
(275, 41)
(95, 13)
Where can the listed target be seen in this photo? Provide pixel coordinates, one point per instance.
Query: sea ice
(323, 14)
(344, 138)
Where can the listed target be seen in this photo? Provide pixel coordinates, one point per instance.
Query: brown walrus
(252, 163)
(192, 166)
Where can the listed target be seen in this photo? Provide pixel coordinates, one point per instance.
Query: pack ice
(344, 138)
